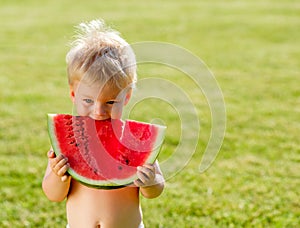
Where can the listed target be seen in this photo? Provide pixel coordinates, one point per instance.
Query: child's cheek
(81, 109)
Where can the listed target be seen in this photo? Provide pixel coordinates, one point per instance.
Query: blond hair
(99, 54)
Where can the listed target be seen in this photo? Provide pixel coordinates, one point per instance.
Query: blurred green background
(252, 48)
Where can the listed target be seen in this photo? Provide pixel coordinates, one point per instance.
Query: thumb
(51, 154)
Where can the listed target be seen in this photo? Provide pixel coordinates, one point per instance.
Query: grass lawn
(252, 48)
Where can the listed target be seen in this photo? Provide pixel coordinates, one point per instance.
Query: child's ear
(128, 96)
(72, 94)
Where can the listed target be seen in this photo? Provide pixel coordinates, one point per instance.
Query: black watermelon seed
(126, 160)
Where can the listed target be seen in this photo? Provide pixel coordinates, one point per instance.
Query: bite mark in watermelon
(104, 153)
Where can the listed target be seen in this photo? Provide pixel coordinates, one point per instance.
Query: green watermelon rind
(106, 184)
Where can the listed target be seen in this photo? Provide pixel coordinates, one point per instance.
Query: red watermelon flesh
(104, 153)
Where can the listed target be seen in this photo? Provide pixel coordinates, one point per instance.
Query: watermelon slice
(104, 153)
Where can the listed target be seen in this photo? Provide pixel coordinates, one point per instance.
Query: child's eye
(110, 102)
(88, 101)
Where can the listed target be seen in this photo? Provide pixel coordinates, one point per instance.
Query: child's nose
(99, 109)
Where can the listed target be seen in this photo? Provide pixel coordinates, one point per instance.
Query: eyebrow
(89, 96)
(109, 99)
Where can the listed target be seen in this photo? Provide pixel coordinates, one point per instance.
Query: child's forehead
(98, 89)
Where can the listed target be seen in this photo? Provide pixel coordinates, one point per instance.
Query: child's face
(98, 102)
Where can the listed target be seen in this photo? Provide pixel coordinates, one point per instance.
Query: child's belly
(89, 207)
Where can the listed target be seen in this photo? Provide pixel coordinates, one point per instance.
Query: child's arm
(56, 182)
(150, 180)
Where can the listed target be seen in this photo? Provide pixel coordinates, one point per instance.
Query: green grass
(252, 47)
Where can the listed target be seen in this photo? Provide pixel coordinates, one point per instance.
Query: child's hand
(146, 176)
(59, 165)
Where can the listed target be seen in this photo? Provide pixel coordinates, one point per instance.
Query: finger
(51, 154)
(61, 163)
(149, 166)
(58, 159)
(147, 171)
(143, 177)
(63, 170)
(64, 178)
(58, 163)
(55, 160)
(138, 183)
